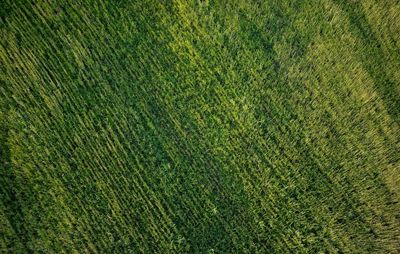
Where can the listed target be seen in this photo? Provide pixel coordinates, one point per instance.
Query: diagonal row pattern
(199, 126)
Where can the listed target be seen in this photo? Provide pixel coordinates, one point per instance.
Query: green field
(208, 126)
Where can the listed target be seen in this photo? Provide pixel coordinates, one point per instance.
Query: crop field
(173, 126)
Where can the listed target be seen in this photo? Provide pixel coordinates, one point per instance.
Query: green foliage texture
(237, 126)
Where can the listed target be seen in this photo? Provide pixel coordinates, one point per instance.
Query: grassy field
(200, 126)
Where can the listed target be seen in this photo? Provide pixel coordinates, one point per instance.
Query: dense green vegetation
(200, 126)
